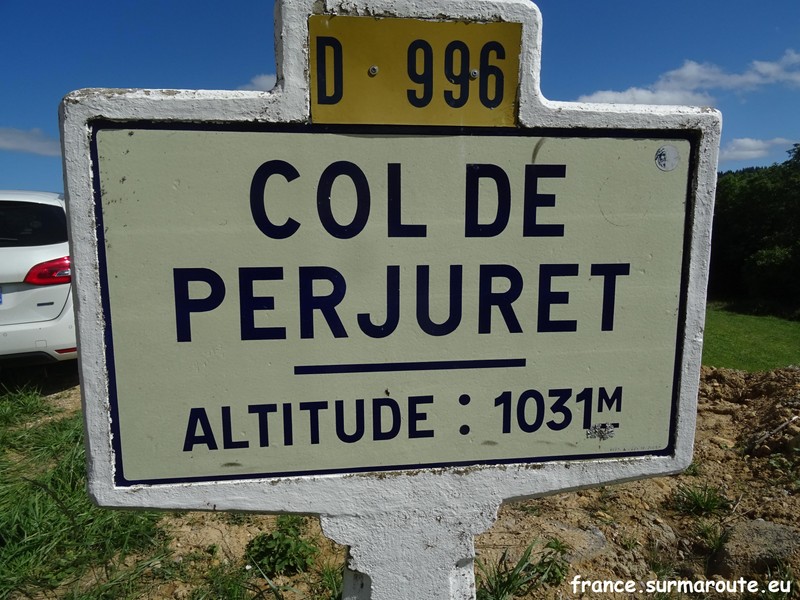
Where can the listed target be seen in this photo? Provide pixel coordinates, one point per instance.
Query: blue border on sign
(692, 136)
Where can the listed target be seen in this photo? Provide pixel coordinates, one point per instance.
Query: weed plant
(660, 560)
(700, 500)
(693, 469)
(629, 543)
(790, 586)
(552, 566)
(787, 468)
(711, 535)
(501, 581)
(284, 551)
(331, 582)
(504, 581)
(225, 583)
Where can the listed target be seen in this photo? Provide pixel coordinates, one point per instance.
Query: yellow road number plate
(367, 70)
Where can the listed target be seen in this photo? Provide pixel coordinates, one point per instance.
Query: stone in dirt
(755, 548)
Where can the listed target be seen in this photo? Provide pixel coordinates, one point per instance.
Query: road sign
(387, 299)
(392, 291)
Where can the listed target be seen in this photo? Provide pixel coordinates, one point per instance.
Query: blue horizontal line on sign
(435, 365)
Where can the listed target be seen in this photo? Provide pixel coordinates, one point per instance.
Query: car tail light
(50, 272)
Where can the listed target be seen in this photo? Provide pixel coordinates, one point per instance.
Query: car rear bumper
(40, 342)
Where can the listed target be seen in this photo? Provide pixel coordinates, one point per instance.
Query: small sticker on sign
(601, 431)
(667, 158)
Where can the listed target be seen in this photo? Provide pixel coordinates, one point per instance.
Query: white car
(37, 322)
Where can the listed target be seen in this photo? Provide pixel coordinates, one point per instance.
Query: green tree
(756, 243)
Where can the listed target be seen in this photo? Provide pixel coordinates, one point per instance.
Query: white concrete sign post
(396, 291)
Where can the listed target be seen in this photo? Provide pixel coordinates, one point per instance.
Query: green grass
(54, 543)
(51, 535)
(19, 406)
(749, 343)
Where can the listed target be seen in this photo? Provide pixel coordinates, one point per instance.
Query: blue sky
(740, 57)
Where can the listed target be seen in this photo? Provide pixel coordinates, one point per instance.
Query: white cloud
(693, 82)
(34, 141)
(750, 149)
(263, 82)
(785, 70)
(637, 95)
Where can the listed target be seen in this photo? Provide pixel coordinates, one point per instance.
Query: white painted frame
(410, 532)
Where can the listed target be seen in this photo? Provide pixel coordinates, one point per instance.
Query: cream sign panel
(298, 299)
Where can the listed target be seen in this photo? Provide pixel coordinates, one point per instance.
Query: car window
(31, 224)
